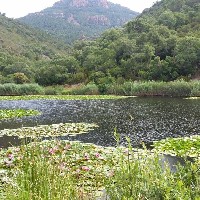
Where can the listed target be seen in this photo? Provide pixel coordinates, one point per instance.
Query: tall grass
(144, 177)
(152, 88)
(11, 89)
(40, 174)
(89, 89)
(39, 177)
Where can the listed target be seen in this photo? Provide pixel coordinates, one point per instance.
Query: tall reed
(11, 89)
(38, 177)
(144, 177)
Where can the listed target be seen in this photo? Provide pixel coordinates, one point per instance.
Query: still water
(141, 119)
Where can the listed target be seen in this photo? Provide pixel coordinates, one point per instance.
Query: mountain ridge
(75, 19)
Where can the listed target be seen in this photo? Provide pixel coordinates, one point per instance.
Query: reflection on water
(142, 119)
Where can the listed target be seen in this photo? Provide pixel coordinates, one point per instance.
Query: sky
(20, 8)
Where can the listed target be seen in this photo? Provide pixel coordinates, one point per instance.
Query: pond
(141, 119)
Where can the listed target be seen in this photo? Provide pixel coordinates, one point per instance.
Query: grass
(59, 170)
(153, 88)
(178, 88)
(20, 89)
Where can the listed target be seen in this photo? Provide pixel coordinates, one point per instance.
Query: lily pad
(16, 113)
(54, 130)
(186, 146)
(61, 97)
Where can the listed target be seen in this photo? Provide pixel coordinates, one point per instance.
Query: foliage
(43, 169)
(186, 146)
(20, 89)
(18, 113)
(153, 88)
(145, 178)
(161, 44)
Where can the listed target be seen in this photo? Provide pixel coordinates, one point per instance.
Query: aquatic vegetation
(146, 178)
(177, 88)
(61, 97)
(18, 113)
(20, 89)
(73, 170)
(186, 146)
(52, 167)
(54, 130)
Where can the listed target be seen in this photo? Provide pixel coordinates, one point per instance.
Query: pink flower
(10, 156)
(85, 168)
(53, 150)
(8, 163)
(97, 155)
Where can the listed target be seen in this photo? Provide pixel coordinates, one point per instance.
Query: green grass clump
(152, 88)
(20, 89)
(145, 178)
(89, 89)
(17, 113)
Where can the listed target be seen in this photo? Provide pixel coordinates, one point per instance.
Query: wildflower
(10, 156)
(8, 163)
(53, 150)
(78, 171)
(111, 173)
(97, 155)
(85, 168)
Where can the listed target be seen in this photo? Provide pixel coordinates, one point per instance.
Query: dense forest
(70, 20)
(163, 43)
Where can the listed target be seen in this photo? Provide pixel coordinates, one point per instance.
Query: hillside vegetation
(77, 19)
(161, 44)
(23, 50)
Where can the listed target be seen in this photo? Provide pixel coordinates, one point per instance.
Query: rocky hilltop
(75, 19)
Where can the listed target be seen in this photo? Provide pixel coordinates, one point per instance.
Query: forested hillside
(23, 50)
(163, 43)
(77, 19)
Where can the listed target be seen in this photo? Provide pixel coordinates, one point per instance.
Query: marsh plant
(59, 170)
(56, 170)
(16, 113)
(20, 89)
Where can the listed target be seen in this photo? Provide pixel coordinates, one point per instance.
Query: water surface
(141, 119)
